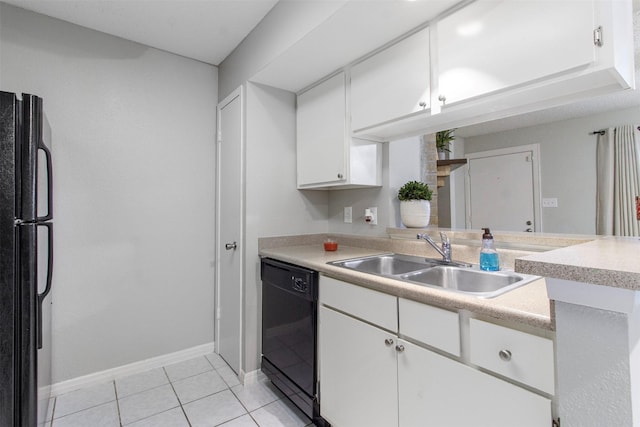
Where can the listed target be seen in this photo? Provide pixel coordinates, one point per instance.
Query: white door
(502, 189)
(229, 230)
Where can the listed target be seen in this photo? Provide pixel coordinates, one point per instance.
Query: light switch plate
(550, 203)
(348, 215)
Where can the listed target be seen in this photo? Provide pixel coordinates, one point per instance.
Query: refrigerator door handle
(47, 288)
(47, 154)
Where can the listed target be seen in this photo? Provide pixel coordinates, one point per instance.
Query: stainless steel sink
(469, 281)
(387, 265)
(454, 277)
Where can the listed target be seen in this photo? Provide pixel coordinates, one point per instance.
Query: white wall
(567, 164)
(359, 200)
(134, 156)
(404, 166)
(274, 206)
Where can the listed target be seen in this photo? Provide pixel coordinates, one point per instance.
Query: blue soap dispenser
(488, 256)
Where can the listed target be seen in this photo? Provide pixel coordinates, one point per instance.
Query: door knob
(400, 348)
(231, 246)
(529, 223)
(388, 341)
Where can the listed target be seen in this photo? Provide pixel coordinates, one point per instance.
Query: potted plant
(415, 205)
(443, 139)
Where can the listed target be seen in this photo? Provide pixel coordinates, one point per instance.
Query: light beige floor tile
(143, 381)
(216, 360)
(105, 415)
(147, 403)
(280, 413)
(199, 386)
(256, 395)
(171, 418)
(243, 421)
(228, 376)
(84, 399)
(214, 410)
(188, 368)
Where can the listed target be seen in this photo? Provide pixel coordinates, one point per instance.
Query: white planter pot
(415, 213)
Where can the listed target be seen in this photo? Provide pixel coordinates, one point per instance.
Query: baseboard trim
(252, 377)
(129, 369)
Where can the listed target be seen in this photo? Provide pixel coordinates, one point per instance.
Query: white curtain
(618, 186)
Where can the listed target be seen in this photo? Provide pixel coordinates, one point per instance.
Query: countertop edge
(609, 261)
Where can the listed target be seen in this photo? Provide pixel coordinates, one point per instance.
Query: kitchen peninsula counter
(607, 261)
(528, 305)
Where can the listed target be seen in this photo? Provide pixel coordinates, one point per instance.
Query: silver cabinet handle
(442, 99)
(423, 104)
(505, 355)
(340, 176)
(399, 348)
(388, 341)
(230, 246)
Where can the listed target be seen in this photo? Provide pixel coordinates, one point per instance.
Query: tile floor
(201, 392)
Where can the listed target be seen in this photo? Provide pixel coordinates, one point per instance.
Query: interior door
(502, 189)
(229, 230)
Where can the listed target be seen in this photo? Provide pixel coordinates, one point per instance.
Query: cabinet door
(436, 391)
(493, 45)
(358, 377)
(321, 134)
(392, 83)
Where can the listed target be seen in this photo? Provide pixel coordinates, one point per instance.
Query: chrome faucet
(445, 251)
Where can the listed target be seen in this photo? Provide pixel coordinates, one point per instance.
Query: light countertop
(608, 261)
(527, 305)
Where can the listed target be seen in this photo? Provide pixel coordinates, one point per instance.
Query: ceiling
(206, 30)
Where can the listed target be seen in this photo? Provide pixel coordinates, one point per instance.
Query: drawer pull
(400, 348)
(505, 355)
(388, 341)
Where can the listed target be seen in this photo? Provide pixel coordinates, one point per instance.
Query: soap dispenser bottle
(488, 255)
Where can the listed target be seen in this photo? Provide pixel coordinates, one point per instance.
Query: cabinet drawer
(372, 306)
(523, 357)
(433, 326)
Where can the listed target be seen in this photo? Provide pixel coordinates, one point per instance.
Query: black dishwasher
(289, 320)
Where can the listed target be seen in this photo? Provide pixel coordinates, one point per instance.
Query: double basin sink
(455, 277)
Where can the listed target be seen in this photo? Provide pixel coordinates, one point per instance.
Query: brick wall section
(429, 171)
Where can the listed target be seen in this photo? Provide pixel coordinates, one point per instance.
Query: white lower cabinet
(376, 373)
(358, 373)
(434, 390)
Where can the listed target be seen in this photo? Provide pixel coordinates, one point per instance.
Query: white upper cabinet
(491, 45)
(321, 133)
(392, 83)
(326, 156)
(494, 59)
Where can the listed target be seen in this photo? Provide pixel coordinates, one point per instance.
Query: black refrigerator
(26, 260)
